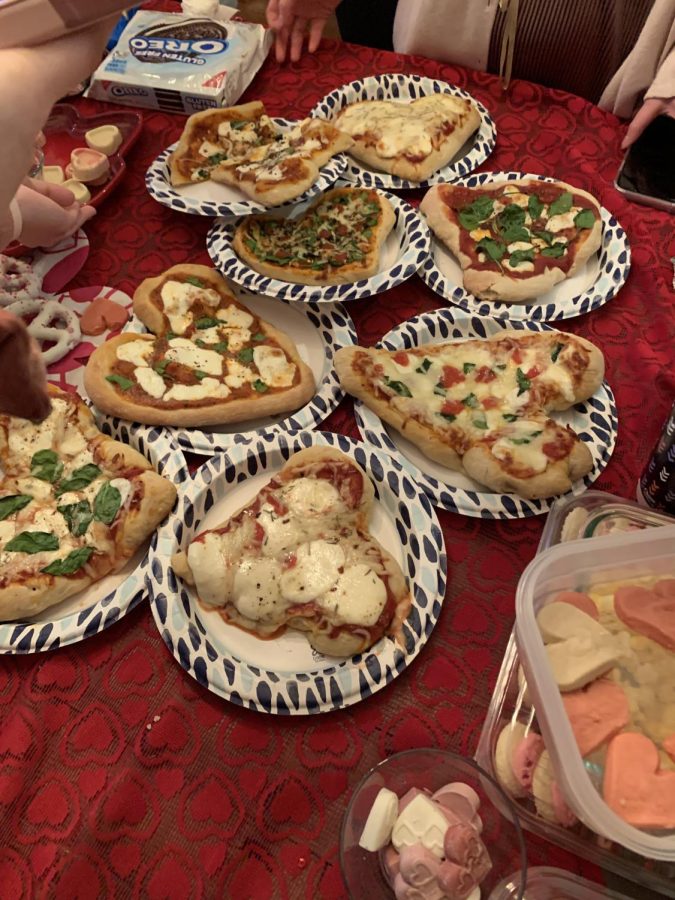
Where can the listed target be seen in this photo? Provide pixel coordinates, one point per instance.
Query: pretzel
(17, 281)
(65, 336)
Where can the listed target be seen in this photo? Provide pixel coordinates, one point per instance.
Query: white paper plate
(595, 421)
(404, 251)
(108, 600)
(603, 275)
(285, 676)
(409, 87)
(318, 332)
(208, 198)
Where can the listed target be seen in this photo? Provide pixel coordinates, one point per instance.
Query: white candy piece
(81, 191)
(44, 327)
(421, 822)
(560, 621)
(581, 659)
(53, 174)
(377, 830)
(106, 139)
(464, 790)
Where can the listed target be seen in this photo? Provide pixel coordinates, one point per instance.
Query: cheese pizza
(209, 360)
(300, 556)
(242, 147)
(410, 139)
(75, 505)
(481, 406)
(338, 240)
(515, 240)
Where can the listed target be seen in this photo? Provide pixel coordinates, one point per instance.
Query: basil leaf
(439, 390)
(207, 322)
(192, 279)
(200, 343)
(534, 206)
(214, 159)
(584, 219)
(32, 542)
(471, 401)
(199, 375)
(562, 205)
(424, 366)
(160, 367)
(68, 566)
(46, 465)
(525, 440)
(79, 479)
(260, 336)
(510, 417)
(521, 256)
(512, 216)
(471, 216)
(239, 123)
(170, 335)
(468, 367)
(78, 516)
(447, 416)
(401, 389)
(13, 503)
(480, 423)
(555, 353)
(494, 250)
(524, 382)
(245, 355)
(107, 503)
(555, 251)
(120, 380)
(220, 347)
(260, 386)
(500, 366)
(545, 236)
(515, 233)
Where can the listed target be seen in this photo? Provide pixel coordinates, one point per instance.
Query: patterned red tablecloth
(119, 775)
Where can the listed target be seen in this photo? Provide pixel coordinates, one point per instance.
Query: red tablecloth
(213, 800)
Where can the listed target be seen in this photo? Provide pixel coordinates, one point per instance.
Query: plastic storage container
(596, 514)
(544, 883)
(580, 566)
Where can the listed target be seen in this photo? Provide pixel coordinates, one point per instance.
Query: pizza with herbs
(75, 505)
(300, 555)
(482, 406)
(338, 240)
(410, 139)
(242, 147)
(515, 240)
(208, 361)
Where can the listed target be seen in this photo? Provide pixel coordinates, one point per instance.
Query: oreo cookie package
(180, 63)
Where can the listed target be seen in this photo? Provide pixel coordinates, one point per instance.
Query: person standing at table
(615, 53)
(32, 79)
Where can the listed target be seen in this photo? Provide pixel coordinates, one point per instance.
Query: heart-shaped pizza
(338, 240)
(300, 555)
(208, 361)
(75, 505)
(515, 240)
(410, 139)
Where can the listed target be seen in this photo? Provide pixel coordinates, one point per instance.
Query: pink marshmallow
(463, 846)
(405, 891)
(455, 803)
(455, 881)
(464, 790)
(418, 865)
(563, 813)
(525, 757)
(391, 863)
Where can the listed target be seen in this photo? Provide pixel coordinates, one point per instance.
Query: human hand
(23, 379)
(650, 109)
(50, 213)
(290, 19)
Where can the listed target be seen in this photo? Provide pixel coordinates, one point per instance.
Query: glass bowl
(431, 769)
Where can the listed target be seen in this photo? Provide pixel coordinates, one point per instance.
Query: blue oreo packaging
(180, 63)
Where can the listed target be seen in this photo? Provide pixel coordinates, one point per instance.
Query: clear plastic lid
(581, 566)
(596, 514)
(545, 883)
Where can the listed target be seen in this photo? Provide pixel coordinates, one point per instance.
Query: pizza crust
(487, 284)
(347, 274)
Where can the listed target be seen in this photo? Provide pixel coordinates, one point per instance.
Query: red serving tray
(65, 130)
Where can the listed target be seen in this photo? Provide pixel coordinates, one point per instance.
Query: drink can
(656, 486)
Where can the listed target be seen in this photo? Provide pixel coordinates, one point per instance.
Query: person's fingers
(272, 14)
(649, 110)
(86, 213)
(56, 192)
(297, 37)
(281, 45)
(316, 27)
(40, 139)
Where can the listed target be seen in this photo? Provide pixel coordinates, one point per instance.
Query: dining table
(120, 776)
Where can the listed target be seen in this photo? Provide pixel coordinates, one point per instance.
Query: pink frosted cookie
(650, 613)
(634, 786)
(548, 799)
(596, 713)
(582, 602)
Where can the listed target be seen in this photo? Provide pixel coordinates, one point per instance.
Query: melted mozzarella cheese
(517, 198)
(151, 382)
(275, 173)
(234, 317)
(236, 338)
(562, 379)
(7, 531)
(136, 352)
(317, 569)
(256, 589)
(281, 532)
(237, 374)
(522, 266)
(25, 438)
(479, 233)
(207, 562)
(123, 485)
(529, 455)
(566, 220)
(275, 370)
(208, 388)
(311, 496)
(84, 458)
(209, 335)
(35, 487)
(73, 441)
(188, 354)
(519, 245)
(49, 520)
(178, 297)
(207, 148)
(359, 596)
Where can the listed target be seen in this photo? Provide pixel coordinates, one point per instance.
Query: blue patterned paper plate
(403, 253)
(103, 603)
(208, 198)
(409, 87)
(318, 332)
(602, 277)
(285, 676)
(595, 421)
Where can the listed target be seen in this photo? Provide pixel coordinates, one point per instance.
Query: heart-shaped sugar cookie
(596, 713)
(649, 612)
(579, 649)
(634, 787)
